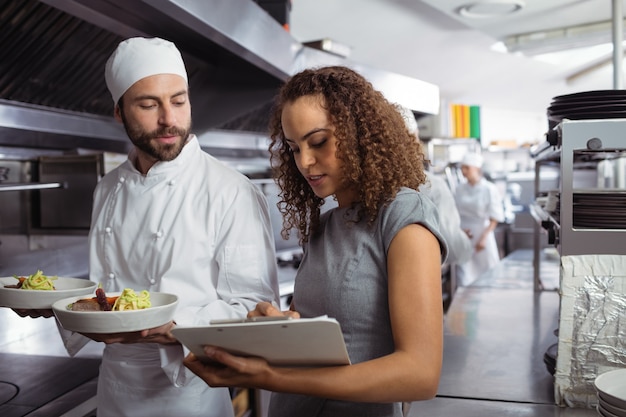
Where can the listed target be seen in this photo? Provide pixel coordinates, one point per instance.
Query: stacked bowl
(611, 387)
(598, 104)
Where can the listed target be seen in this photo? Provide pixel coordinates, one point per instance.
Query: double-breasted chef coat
(477, 204)
(193, 227)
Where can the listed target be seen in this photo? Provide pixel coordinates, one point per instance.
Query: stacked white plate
(611, 387)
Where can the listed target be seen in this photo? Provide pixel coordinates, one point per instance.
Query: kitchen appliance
(237, 55)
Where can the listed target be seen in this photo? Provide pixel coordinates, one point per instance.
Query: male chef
(170, 219)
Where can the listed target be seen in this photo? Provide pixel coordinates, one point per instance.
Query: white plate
(612, 387)
(42, 299)
(619, 412)
(162, 311)
(604, 413)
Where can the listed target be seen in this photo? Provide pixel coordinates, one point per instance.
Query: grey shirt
(343, 274)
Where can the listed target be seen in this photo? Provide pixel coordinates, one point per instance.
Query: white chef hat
(473, 160)
(138, 58)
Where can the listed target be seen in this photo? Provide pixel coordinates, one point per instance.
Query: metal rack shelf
(583, 145)
(541, 215)
(606, 139)
(31, 186)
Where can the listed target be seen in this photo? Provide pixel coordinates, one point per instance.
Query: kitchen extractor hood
(52, 55)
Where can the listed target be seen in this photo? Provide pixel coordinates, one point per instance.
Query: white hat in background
(472, 160)
(409, 120)
(138, 58)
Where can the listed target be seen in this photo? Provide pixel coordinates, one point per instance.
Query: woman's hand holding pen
(271, 309)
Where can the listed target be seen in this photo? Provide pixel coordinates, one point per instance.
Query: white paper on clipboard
(298, 342)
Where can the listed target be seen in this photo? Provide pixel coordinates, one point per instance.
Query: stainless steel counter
(65, 256)
(496, 334)
(32, 356)
(462, 407)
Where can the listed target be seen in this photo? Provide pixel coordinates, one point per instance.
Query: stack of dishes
(599, 209)
(600, 104)
(611, 387)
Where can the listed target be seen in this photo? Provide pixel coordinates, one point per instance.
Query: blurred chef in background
(481, 209)
(437, 189)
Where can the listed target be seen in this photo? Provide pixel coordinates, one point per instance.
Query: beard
(160, 152)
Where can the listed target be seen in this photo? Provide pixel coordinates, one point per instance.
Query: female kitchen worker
(481, 209)
(373, 262)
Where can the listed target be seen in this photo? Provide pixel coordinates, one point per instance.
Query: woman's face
(311, 138)
(471, 173)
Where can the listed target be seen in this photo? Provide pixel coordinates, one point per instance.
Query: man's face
(157, 117)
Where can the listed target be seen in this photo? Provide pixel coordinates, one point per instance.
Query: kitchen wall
(497, 126)
(522, 128)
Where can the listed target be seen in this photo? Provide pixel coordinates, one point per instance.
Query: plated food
(15, 294)
(161, 311)
(127, 300)
(36, 281)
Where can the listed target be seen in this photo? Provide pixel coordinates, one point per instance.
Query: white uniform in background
(436, 188)
(477, 205)
(192, 227)
(459, 245)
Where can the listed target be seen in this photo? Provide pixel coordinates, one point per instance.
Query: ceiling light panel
(490, 9)
(535, 15)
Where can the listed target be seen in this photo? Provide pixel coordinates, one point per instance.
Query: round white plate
(42, 299)
(611, 387)
(619, 412)
(604, 413)
(162, 311)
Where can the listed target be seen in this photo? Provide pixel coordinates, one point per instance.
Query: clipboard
(309, 342)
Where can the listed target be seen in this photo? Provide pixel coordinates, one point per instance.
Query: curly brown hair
(379, 155)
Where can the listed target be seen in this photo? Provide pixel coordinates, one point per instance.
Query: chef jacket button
(122, 179)
(111, 275)
(107, 230)
(152, 281)
(172, 182)
(159, 234)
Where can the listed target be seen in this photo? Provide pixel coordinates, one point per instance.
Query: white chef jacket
(459, 245)
(192, 227)
(477, 204)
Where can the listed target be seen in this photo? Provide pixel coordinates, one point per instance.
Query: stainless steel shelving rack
(582, 145)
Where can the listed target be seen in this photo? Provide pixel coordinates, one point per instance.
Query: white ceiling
(430, 41)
